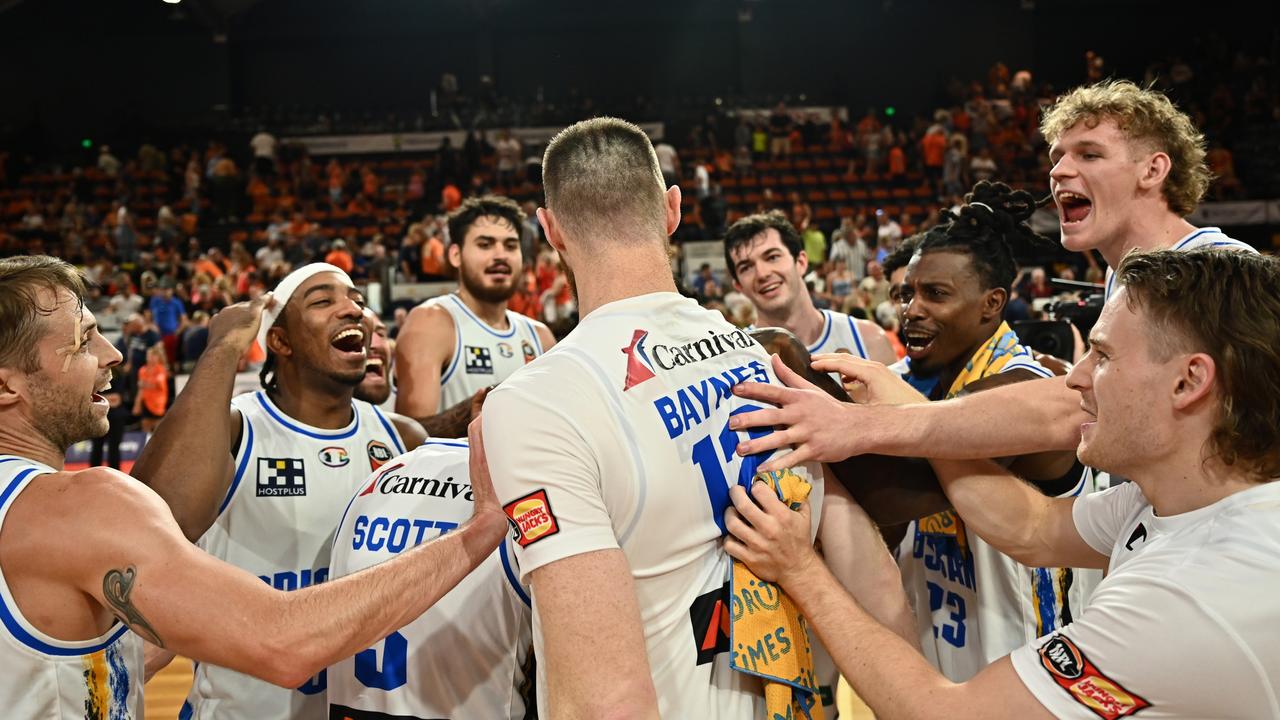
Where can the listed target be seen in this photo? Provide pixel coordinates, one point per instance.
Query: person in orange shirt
(933, 151)
(153, 389)
(450, 197)
(433, 267)
(340, 256)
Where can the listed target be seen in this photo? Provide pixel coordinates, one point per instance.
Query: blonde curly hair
(1144, 116)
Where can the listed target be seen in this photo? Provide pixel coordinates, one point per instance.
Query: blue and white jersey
(1198, 239)
(291, 484)
(483, 355)
(618, 439)
(465, 656)
(44, 677)
(973, 604)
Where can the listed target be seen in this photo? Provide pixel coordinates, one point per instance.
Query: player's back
(45, 677)
(463, 658)
(626, 445)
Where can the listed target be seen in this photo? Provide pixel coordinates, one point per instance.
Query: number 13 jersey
(618, 438)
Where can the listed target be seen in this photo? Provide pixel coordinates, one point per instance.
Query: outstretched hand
(868, 381)
(806, 418)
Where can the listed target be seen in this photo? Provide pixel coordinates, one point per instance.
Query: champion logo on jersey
(334, 457)
(479, 360)
(531, 518)
(379, 453)
(505, 350)
(281, 477)
(639, 368)
(1073, 672)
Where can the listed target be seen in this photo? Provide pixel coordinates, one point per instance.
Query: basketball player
(1182, 391)
(767, 261)
(375, 388)
(455, 346)
(612, 465)
(93, 562)
(465, 657)
(297, 450)
(1128, 168)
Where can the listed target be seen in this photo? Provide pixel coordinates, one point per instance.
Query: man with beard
(298, 449)
(376, 388)
(93, 562)
(767, 261)
(455, 346)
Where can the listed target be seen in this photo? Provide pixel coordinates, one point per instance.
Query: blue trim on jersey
(395, 434)
(1183, 242)
(10, 619)
(247, 440)
(457, 353)
(511, 576)
(482, 323)
(533, 331)
(857, 339)
(185, 712)
(825, 334)
(446, 443)
(339, 435)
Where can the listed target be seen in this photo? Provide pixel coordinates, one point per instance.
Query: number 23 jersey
(618, 438)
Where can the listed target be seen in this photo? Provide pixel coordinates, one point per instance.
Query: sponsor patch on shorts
(1073, 672)
(531, 518)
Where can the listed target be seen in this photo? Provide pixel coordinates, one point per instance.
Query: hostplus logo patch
(639, 367)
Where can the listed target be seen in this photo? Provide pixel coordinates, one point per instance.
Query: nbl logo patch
(479, 360)
(379, 453)
(281, 477)
(1072, 671)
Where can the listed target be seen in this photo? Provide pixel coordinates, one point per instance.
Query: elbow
(284, 664)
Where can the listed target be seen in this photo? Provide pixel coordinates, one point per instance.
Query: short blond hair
(1144, 116)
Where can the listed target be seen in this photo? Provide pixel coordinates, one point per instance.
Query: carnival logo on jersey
(639, 368)
(531, 518)
(506, 350)
(374, 482)
(479, 360)
(1073, 672)
(710, 617)
(334, 457)
(281, 477)
(527, 348)
(379, 453)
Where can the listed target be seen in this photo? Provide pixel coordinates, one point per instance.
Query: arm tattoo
(116, 587)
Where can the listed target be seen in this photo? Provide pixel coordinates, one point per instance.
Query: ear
(802, 262)
(551, 228)
(454, 254)
(278, 342)
(1195, 381)
(1154, 171)
(993, 302)
(672, 196)
(12, 387)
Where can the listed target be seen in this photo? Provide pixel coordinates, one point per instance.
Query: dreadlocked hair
(267, 375)
(991, 226)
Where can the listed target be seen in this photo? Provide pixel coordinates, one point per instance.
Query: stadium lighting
(173, 2)
(86, 143)
(890, 111)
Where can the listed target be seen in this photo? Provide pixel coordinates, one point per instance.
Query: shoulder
(429, 318)
(411, 431)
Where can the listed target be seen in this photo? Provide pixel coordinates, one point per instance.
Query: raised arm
(184, 600)
(188, 460)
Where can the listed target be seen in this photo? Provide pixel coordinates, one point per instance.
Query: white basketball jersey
(47, 678)
(618, 438)
(840, 333)
(483, 356)
(973, 604)
(463, 658)
(1198, 239)
(291, 484)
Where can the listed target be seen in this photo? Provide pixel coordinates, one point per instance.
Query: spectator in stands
(108, 163)
(195, 339)
(1037, 285)
(888, 234)
(339, 256)
(270, 254)
(225, 191)
(780, 126)
(955, 167)
(433, 263)
(800, 213)
(874, 287)
(715, 212)
(815, 245)
(169, 315)
(896, 168)
(118, 418)
(840, 283)
(759, 141)
(509, 153)
(409, 259)
(263, 145)
(742, 134)
(848, 246)
(153, 389)
(450, 196)
(982, 166)
(531, 233)
(668, 163)
(705, 285)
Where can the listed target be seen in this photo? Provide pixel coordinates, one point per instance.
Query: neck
(801, 318)
(316, 402)
(495, 314)
(1184, 482)
(1154, 230)
(22, 439)
(952, 370)
(623, 273)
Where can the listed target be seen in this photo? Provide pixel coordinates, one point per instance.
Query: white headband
(288, 286)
